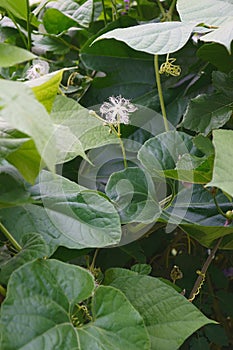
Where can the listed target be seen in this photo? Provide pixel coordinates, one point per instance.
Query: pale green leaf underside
(222, 35)
(210, 12)
(223, 163)
(153, 38)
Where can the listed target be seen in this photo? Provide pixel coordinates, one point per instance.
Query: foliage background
(96, 50)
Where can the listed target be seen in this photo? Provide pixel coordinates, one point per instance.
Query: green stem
(118, 134)
(161, 9)
(160, 92)
(10, 237)
(105, 15)
(170, 11)
(2, 291)
(92, 266)
(217, 205)
(60, 39)
(29, 29)
(18, 28)
(123, 153)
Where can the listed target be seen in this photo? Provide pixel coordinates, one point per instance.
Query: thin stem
(217, 205)
(123, 153)
(18, 28)
(159, 87)
(2, 291)
(170, 11)
(105, 15)
(59, 38)
(166, 200)
(29, 29)
(10, 237)
(199, 281)
(92, 266)
(161, 8)
(118, 134)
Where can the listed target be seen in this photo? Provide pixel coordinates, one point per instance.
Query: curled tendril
(169, 68)
(200, 285)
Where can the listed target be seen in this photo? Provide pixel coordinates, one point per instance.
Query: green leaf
(27, 160)
(80, 14)
(18, 8)
(207, 112)
(11, 140)
(222, 35)
(222, 177)
(217, 55)
(33, 247)
(56, 22)
(153, 38)
(11, 55)
(223, 83)
(204, 144)
(192, 169)
(163, 151)
(168, 316)
(210, 12)
(133, 194)
(12, 188)
(83, 15)
(70, 217)
(22, 111)
(195, 211)
(207, 235)
(43, 297)
(142, 269)
(111, 323)
(87, 129)
(46, 88)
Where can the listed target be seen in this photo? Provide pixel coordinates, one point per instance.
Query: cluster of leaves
(65, 189)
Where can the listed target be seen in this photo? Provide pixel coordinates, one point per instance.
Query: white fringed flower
(117, 110)
(38, 69)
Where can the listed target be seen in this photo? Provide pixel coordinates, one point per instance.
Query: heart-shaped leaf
(168, 326)
(33, 247)
(43, 298)
(70, 216)
(163, 151)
